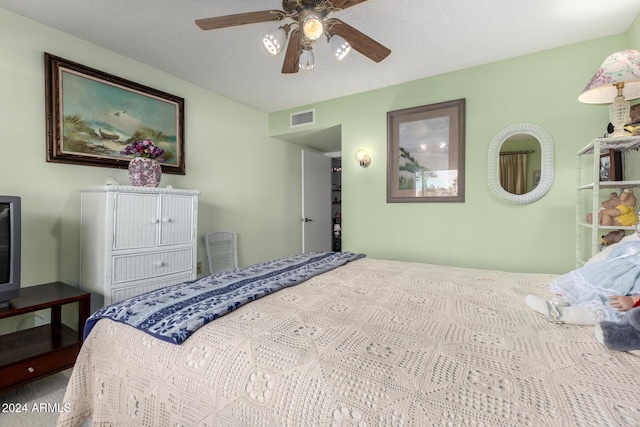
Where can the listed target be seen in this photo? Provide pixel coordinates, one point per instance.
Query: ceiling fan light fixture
(274, 41)
(339, 47)
(307, 61)
(312, 27)
(305, 21)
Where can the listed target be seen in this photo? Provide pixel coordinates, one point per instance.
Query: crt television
(10, 238)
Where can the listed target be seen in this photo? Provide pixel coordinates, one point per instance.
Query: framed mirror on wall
(521, 159)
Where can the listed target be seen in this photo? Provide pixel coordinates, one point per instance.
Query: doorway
(316, 141)
(336, 203)
(316, 202)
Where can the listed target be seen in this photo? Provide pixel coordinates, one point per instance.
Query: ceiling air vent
(303, 118)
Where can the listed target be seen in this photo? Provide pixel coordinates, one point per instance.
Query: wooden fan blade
(359, 41)
(292, 56)
(240, 19)
(343, 4)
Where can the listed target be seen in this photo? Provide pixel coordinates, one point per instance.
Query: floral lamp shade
(617, 81)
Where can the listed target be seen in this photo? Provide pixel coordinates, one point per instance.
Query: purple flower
(144, 148)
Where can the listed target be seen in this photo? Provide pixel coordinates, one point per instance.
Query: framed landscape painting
(92, 116)
(425, 153)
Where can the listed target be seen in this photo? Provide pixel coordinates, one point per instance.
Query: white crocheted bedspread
(371, 343)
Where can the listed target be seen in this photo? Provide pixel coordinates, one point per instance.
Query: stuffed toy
(634, 114)
(624, 214)
(610, 203)
(612, 237)
(633, 125)
(623, 335)
(634, 129)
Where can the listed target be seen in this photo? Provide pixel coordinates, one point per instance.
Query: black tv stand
(33, 353)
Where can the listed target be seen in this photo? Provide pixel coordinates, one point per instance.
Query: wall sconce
(363, 158)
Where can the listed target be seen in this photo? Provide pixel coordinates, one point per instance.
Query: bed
(369, 343)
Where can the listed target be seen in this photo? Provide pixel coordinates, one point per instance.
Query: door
(176, 219)
(135, 220)
(316, 202)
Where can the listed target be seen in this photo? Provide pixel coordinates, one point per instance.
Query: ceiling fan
(309, 22)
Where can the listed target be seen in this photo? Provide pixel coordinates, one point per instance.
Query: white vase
(144, 172)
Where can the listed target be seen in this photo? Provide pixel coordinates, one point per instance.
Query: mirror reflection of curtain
(513, 172)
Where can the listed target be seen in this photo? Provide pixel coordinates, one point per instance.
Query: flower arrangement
(144, 148)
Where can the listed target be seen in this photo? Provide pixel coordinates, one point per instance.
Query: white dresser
(135, 240)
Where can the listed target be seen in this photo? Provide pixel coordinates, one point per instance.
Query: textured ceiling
(426, 38)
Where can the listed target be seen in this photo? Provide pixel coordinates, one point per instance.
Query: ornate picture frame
(91, 116)
(426, 153)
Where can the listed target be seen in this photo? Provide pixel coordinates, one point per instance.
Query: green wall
(483, 232)
(246, 179)
(250, 182)
(634, 34)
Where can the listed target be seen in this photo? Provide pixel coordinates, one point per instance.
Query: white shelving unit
(588, 235)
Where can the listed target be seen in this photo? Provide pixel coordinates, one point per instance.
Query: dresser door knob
(30, 369)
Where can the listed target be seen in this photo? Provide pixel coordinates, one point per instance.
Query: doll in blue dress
(598, 291)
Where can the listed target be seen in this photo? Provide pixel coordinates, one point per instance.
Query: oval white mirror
(543, 179)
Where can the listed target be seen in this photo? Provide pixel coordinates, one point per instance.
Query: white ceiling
(426, 37)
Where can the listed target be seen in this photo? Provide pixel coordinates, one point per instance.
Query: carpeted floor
(39, 402)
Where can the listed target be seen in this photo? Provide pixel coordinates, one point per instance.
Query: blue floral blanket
(175, 312)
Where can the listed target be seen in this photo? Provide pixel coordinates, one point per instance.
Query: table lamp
(616, 82)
